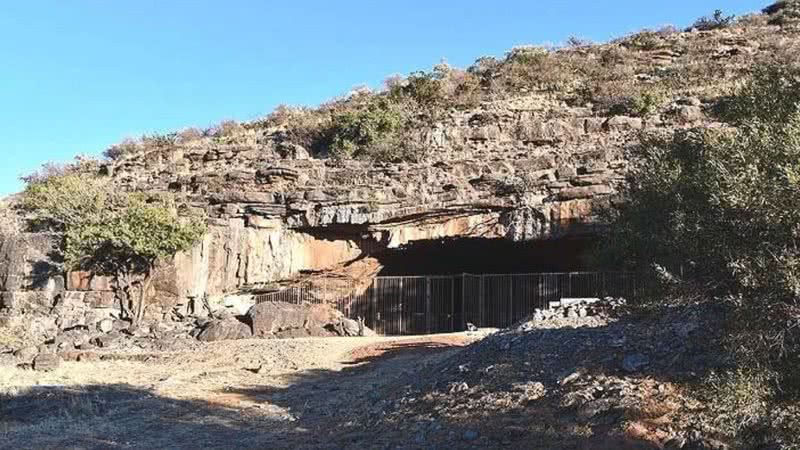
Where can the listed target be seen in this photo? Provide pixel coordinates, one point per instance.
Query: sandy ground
(301, 393)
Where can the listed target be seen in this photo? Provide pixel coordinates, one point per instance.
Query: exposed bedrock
(527, 170)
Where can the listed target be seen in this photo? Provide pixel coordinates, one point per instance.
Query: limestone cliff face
(272, 216)
(520, 170)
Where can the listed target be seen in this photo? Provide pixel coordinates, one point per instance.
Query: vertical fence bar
(428, 305)
(510, 300)
(452, 302)
(372, 305)
(400, 307)
(463, 299)
(481, 322)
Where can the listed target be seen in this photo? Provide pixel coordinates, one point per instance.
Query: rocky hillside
(524, 147)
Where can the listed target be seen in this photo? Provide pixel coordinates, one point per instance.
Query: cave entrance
(486, 256)
(442, 286)
(435, 286)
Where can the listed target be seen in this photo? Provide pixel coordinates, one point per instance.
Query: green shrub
(354, 133)
(716, 21)
(724, 206)
(648, 103)
(125, 148)
(112, 233)
(66, 199)
(424, 88)
(739, 403)
(784, 12)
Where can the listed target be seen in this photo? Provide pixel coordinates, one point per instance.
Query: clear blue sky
(77, 76)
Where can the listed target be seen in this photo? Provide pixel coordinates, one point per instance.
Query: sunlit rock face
(272, 216)
(520, 174)
(524, 169)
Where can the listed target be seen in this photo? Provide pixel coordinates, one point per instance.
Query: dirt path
(304, 393)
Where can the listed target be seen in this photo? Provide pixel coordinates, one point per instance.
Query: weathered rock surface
(46, 362)
(271, 318)
(225, 329)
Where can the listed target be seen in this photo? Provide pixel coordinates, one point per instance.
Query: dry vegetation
(636, 75)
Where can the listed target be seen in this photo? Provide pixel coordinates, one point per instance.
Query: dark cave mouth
(486, 256)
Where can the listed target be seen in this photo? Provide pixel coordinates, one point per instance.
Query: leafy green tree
(118, 234)
(64, 200)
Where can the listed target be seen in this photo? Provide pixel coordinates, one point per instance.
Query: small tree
(120, 235)
(715, 21)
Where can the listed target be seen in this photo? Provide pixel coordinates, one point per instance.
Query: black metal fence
(438, 304)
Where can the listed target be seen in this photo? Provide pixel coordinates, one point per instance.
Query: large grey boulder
(270, 318)
(225, 329)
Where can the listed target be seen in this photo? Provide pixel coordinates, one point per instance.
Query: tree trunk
(123, 293)
(142, 298)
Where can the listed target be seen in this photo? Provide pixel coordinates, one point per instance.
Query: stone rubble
(615, 372)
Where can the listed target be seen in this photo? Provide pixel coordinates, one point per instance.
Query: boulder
(46, 362)
(269, 318)
(622, 123)
(689, 114)
(288, 150)
(350, 327)
(108, 340)
(105, 326)
(225, 329)
(26, 354)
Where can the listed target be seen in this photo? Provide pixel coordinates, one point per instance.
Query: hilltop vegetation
(637, 75)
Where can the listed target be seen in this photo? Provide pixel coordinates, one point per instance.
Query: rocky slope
(525, 162)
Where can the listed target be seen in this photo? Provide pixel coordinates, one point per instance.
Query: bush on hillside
(784, 12)
(188, 135)
(81, 164)
(716, 21)
(354, 133)
(723, 205)
(424, 88)
(130, 146)
(540, 69)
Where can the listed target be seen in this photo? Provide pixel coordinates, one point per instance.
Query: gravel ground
(301, 393)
